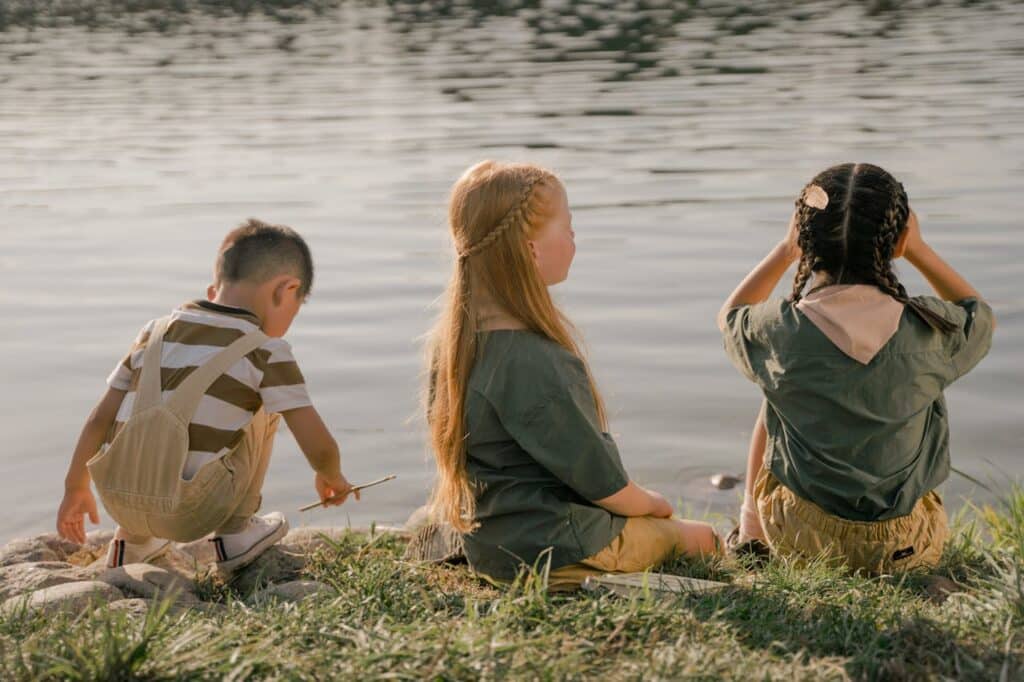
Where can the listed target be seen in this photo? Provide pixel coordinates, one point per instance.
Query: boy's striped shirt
(267, 377)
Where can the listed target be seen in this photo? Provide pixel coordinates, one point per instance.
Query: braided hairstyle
(853, 238)
(494, 210)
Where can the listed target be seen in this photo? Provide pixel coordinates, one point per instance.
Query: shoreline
(353, 603)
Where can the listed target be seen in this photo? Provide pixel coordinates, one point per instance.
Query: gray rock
(17, 579)
(69, 597)
(133, 607)
(50, 547)
(436, 543)
(276, 565)
(152, 582)
(139, 607)
(293, 591)
(197, 553)
(419, 518)
(35, 549)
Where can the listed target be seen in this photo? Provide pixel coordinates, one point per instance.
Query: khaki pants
(795, 527)
(645, 542)
(241, 483)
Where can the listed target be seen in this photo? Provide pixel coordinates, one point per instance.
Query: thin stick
(389, 477)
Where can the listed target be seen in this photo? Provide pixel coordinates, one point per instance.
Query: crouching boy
(178, 446)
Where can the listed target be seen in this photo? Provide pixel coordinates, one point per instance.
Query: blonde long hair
(495, 208)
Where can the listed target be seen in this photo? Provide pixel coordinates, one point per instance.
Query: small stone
(725, 481)
(293, 591)
(938, 588)
(146, 580)
(133, 607)
(69, 597)
(276, 565)
(18, 579)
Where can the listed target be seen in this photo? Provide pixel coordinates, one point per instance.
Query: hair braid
(884, 242)
(885, 245)
(515, 216)
(804, 240)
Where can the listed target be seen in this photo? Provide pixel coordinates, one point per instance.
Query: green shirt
(537, 457)
(864, 442)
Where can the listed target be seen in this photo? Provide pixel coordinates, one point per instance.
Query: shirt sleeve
(282, 387)
(121, 378)
(746, 342)
(977, 336)
(563, 434)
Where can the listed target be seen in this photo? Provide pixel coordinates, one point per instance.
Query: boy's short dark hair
(256, 251)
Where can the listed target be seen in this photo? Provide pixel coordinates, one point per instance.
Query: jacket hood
(858, 318)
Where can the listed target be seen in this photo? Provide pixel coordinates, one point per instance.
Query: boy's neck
(237, 296)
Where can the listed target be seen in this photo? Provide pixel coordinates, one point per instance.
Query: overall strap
(149, 391)
(185, 399)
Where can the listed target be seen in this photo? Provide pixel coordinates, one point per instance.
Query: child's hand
(76, 504)
(660, 507)
(914, 241)
(333, 490)
(791, 243)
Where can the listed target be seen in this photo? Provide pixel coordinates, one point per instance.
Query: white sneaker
(236, 550)
(121, 552)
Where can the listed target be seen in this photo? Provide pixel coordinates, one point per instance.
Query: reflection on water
(682, 131)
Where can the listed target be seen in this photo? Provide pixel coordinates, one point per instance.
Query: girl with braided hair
(527, 472)
(853, 437)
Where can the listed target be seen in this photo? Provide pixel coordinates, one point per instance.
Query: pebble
(725, 481)
(292, 591)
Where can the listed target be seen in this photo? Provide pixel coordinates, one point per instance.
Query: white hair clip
(815, 197)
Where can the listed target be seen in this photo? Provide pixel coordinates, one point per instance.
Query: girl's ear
(211, 292)
(901, 244)
(533, 249)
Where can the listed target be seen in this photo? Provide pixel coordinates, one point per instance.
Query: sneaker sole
(251, 554)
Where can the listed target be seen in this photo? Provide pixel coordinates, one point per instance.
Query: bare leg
(750, 520)
(697, 538)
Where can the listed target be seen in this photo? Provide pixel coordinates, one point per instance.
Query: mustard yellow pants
(645, 542)
(247, 468)
(796, 527)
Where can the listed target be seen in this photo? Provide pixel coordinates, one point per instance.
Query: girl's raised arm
(947, 282)
(758, 285)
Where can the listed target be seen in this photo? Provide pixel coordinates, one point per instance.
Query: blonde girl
(526, 469)
(853, 436)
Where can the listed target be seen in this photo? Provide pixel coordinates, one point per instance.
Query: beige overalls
(139, 475)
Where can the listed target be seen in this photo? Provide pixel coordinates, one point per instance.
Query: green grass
(401, 621)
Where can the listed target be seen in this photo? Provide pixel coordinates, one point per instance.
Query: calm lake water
(682, 137)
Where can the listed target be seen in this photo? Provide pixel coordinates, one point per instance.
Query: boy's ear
(901, 244)
(211, 292)
(286, 286)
